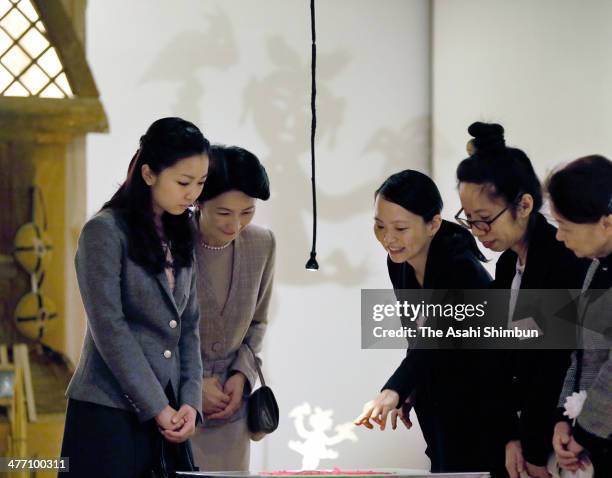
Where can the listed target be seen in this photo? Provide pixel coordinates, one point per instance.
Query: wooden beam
(25, 118)
(22, 360)
(69, 47)
(4, 362)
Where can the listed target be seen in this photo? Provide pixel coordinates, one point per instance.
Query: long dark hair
(167, 141)
(235, 169)
(507, 172)
(582, 191)
(416, 192)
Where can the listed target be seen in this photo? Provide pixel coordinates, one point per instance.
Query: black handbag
(173, 457)
(262, 409)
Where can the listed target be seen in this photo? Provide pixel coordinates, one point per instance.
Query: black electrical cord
(312, 264)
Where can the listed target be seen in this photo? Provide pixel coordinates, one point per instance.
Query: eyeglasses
(481, 225)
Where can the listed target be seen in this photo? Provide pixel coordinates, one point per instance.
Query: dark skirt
(458, 412)
(106, 442)
(456, 444)
(601, 457)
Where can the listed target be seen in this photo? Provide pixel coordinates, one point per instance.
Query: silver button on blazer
(130, 353)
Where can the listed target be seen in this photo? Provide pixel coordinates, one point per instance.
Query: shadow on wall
(217, 49)
(280, 108)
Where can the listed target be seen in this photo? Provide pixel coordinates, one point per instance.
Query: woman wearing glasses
(447, 387)
(501, 196)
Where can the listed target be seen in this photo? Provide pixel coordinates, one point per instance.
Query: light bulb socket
(312, 264)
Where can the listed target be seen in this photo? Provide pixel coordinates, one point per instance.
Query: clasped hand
(570, 454)
(177, 426)
(222, 401)
(518, 467)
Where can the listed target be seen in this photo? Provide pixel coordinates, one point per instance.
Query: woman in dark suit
(501, 196)
(446, 386)
(136, 392)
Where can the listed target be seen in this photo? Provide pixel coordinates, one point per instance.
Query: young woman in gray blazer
(136, 393)
(235, 273)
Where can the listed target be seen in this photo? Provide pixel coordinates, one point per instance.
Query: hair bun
(487, 137)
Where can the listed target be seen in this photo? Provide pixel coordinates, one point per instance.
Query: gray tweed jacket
(228, 332)
(141, 336)
(596, 363)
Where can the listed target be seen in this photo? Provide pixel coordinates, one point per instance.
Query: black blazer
(450, 265)
(534, 377)
(451, 400)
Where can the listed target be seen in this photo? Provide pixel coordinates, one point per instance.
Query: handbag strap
(261, 377)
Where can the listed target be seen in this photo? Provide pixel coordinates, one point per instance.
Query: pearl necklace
(215, 248)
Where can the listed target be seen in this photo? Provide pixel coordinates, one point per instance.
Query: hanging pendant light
(311, 264)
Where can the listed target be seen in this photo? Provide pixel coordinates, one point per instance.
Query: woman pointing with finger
(426, 252)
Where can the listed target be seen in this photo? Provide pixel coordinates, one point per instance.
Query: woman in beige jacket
(235, 272)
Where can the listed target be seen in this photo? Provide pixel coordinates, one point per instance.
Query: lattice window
(29, 64)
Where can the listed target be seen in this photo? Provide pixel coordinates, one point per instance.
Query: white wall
(240, 70)
(543, 69)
